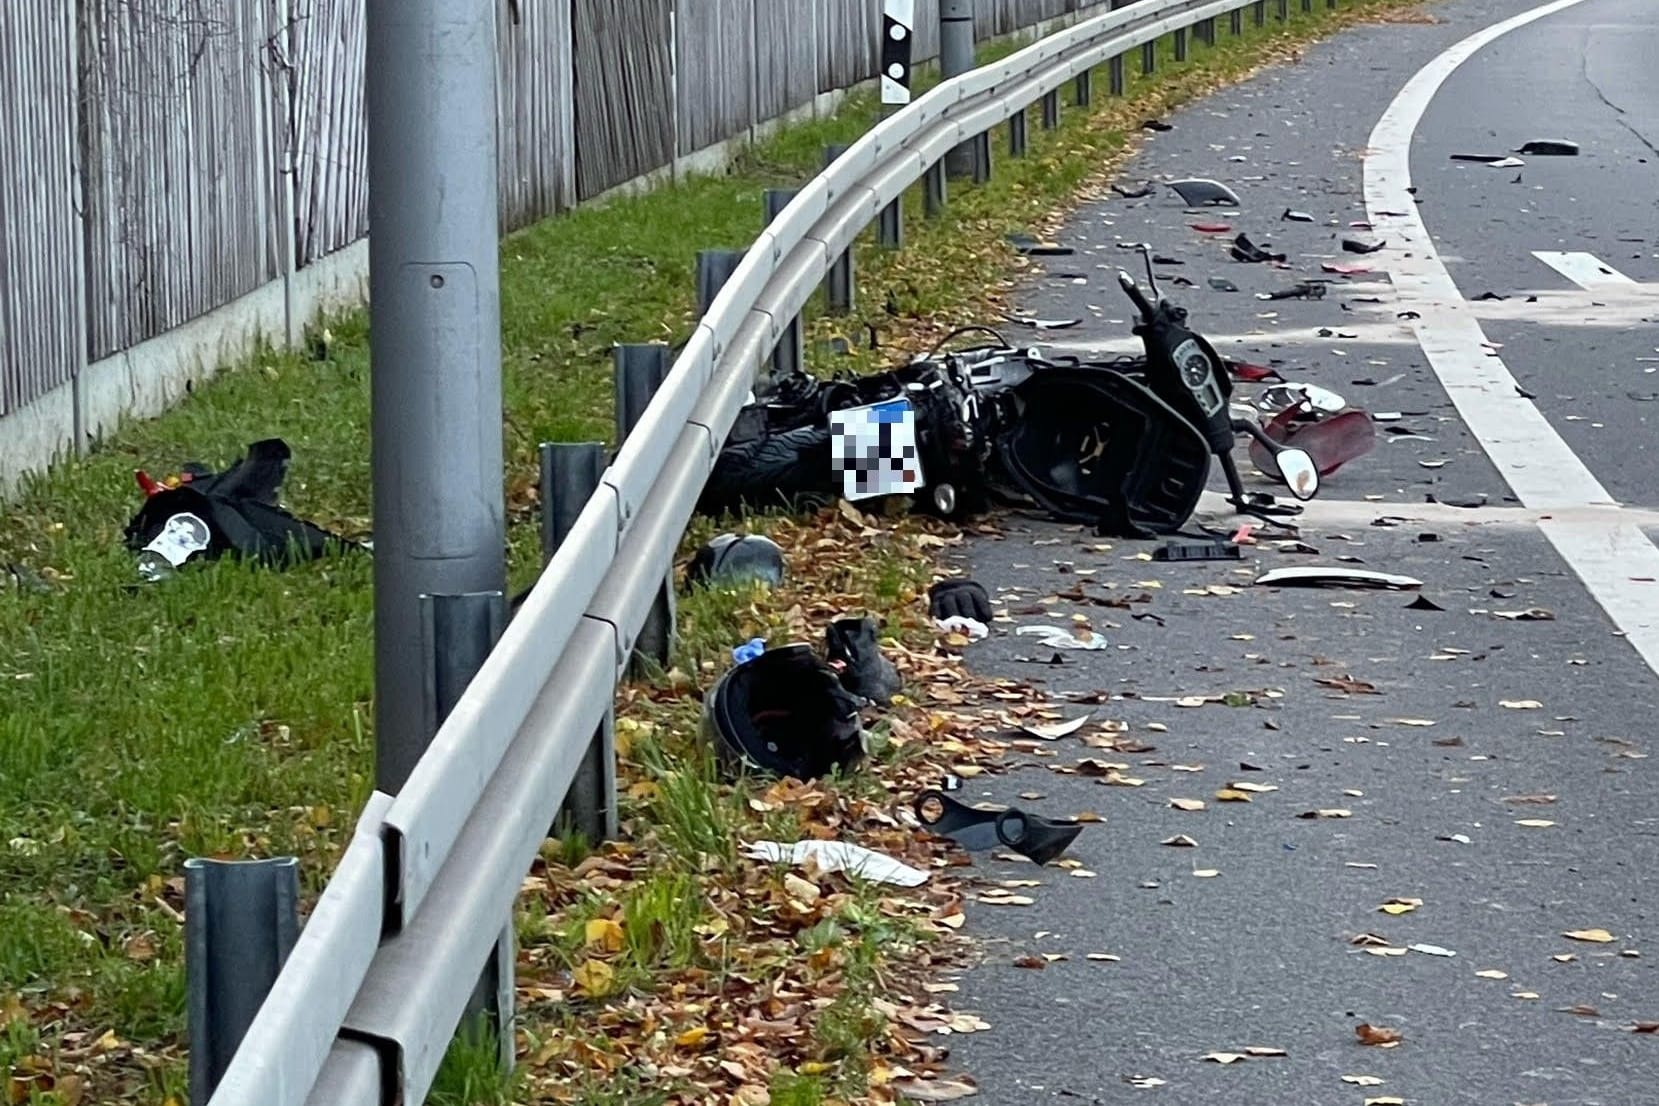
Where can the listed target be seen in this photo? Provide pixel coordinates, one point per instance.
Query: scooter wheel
(944, 498)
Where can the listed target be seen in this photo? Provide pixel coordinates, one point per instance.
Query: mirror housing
(1298, 471)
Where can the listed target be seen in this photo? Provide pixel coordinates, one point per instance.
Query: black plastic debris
(1291, 216)
(1030, 246)
(209, 514)
(1303, 290)
(1222, 284)
(1490, 296)
(1043, 324)
(1202, 192)
(1247, 251)
(737, 559)
(1182, 282)
(1550, 147)
(1157, 125)
(854, 649)
(1408, 315)
(784, 713)
(959, 599)
(970, 827)
(1036, 838)
(1160, 259)
(1140, 193)
(1496, 161)
(1177, 551)
(1354, 245)
(1423, 603)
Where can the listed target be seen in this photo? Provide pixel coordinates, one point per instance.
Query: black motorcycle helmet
(784, 713)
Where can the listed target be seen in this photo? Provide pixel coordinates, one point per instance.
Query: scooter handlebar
(1133, 291)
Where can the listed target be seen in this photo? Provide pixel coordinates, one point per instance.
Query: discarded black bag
(853, 648)
(784, 713)
(959, 599)
(209, 514)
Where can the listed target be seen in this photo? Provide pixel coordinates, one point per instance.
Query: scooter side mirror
(1299, 472)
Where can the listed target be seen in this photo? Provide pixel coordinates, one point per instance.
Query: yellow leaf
(693, 1037)
(603, 933)
(1400, 906)
(1253, 788)
(815, 1067)
(1231, 795)
(1187, 804)
(595, 978)
(1596, 936)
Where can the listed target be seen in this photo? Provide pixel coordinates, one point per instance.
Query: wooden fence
(163, 158)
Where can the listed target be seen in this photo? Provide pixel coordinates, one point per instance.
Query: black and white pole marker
(898, 31)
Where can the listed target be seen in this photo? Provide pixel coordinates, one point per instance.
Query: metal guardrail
(371, 995)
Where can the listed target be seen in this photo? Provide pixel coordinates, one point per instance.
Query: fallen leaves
(1594, 936)
(1363, 1080)
(932, 1090)
(1180, 841)
(604, 934)
(594, 978)
(1521, 704)
(1034, 962)
(1492, 973)
(1232, 795)
(1188, 805)
(1327, 812)
(1397, 906)
(1534, 823)
(1378, 1036)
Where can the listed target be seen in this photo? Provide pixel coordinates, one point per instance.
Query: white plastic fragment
(972, 628)
(1058, 637)
(839, 856)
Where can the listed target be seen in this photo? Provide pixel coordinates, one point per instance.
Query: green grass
(228, 712)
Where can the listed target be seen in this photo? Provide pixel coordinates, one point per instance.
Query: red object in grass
(147, 483)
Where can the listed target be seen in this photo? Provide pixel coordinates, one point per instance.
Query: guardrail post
(1307, 5)
(790, 356)
(1235, 22)
(1051, 109)
(956, 57)
(841, 289)
(934, 190)
(890, 229)
(1115, 75)
(1149, 58)
(1083, 88)
(640, 371)
(457, 634)
(241, 920)
(1284, 10)
(1260, 12)
(1180, 44)
(714, 269)
(981, 143)
(1018, 135)
(571, 472)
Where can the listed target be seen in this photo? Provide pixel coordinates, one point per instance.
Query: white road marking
(1584, 269)
(1607, 550)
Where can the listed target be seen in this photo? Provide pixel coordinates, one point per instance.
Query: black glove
(959, 598)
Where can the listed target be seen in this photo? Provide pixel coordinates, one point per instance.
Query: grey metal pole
(981, 144)
(640, 371)
(241, 920)
(841, 289)
(1260, 12)
(1149, 58)
(1180, 44)
(1083, 88)
(935, 191)
(790, 355)
(1235, 22)
(1051, 109)
(1284, 10)
(570, 474)
(1018, 133)
(890, 231)
(439, 515)
(1118, 78)
(956, 57)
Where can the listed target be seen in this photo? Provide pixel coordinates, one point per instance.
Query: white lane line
(1609, 552)
(1584, 269)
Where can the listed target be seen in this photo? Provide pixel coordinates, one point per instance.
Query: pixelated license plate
(873, 448)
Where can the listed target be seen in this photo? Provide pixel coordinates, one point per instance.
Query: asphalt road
(1476, 723)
